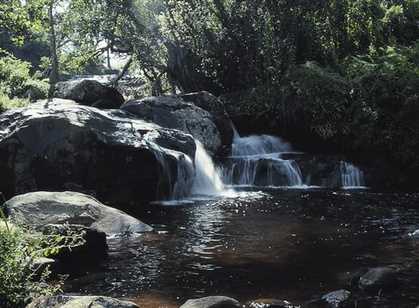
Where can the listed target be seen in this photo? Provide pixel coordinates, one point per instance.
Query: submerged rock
(173, 112)
(378, 278)
(55, 147)
(38, 209)
(63, 301)
(90, 93)
(270, 303)
(212, 302)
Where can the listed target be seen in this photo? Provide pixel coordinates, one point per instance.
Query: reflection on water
(291, 244)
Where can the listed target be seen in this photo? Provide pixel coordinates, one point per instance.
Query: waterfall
(257, 145)
(207, 180)
(257, 161)
(351, 176)
(184, 179)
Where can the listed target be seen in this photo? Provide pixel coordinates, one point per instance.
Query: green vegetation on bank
(22, 277)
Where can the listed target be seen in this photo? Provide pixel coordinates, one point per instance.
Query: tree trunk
(54, 75)
(122, 73)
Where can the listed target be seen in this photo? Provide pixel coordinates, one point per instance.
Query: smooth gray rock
(378, 278)
(54, 147)
(63, 301)
(42, 208)
(216, 108)
(173, 112)
(212, 302)
(335, 299)
(90, 93)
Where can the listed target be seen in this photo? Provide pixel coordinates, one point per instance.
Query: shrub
(20, 281)
(16, 80)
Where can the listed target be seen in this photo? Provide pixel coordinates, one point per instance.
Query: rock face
(216, 108)
(63, 301)
(90, 93)
(55, 147)
(42, 208)
(173, 112)
(212, 302)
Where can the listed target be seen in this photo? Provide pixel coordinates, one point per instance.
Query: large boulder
(216, 108)
(54, 147)
(90, 93)
(173, 112)
(64, 301)
(41, 208)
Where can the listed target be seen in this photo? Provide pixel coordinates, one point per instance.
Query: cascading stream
(261, 161)
(207, 179)
(351, 176)
(257, 161)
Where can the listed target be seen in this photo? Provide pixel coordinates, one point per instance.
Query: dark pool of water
(286, 244)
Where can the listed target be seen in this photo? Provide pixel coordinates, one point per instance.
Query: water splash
(351, 176)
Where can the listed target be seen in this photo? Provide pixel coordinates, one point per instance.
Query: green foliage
(21, 280)
(8, 103)
(16, 81)
(18, 251)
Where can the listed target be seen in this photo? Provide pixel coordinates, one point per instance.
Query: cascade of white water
(207, 179)
(256, 161)
(351, 176)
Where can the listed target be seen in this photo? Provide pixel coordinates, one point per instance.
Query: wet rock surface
(335, 299)
(53, 146)
(212, 302)
(38, 209)
(173, 112)
(63, 301)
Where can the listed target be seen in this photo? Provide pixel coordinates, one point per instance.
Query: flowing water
(351, 175)
(265, 240)
(207, 178)
(286, 244)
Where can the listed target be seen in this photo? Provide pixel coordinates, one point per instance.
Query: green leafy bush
(16, 80)
(20, 280)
